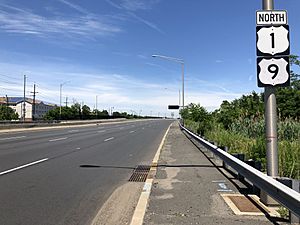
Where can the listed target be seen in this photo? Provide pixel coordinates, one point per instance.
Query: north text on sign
(271, 17)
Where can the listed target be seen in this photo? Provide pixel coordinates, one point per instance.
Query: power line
(9, 82)
(14, 78)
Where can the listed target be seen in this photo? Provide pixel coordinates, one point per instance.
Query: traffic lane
(13, 142)
(41, 129)
(20, 155)
(11, 138)
(63, 191)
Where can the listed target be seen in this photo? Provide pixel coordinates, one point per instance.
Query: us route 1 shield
(272, 40)
(273, 72)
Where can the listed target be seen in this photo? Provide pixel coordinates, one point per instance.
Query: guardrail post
(295, 185)
(241, 157)
(224, 148)
(256, 165)
(210, 153)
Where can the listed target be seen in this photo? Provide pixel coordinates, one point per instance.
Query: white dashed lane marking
(11, 138)
(23, 166)
(101, 131)
(58, 139)
(109, 139)
(73, 131)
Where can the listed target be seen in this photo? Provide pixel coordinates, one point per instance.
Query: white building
(17, 103)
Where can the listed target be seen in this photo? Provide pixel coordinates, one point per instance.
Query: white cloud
(113, 4)
(124, 92)
(210, 100)
(146, 22)
(131, 6)
(204, 84)
(134, 5)
(21, 21)
(74, 6)
(141, 56)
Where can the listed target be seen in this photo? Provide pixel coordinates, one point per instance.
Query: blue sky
(104, 48)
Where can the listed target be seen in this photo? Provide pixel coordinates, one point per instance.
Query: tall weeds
(248, 136)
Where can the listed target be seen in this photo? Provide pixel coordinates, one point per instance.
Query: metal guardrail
(283, 194)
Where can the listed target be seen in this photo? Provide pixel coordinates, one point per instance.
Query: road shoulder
(187, 188)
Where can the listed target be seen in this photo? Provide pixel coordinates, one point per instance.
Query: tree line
(78, 112)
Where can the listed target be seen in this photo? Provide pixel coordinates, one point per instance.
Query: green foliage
(288, 102)
(7, 113)
(240, 125)
(76, 112)
(197, 113)
(246, 107)
(289, 158)
(283, 212)
(288, 98)
(86, 112)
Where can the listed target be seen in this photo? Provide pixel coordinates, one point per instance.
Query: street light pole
(181, 61)
(182, 70)
(60, 97)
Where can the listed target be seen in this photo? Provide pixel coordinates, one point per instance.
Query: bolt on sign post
(273, 49)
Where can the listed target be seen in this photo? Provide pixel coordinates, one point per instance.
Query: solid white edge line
(23, 166)
(140, 210)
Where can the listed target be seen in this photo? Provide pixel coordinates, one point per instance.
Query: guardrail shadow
(90, 166)
(235, 181)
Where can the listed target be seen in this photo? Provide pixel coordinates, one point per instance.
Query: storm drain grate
(140, 173)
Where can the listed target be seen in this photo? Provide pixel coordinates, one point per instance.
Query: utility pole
(60, 90)
(33, 104)
(24, 98)
(271, 119)
(66, 101)
(96, 106)
(7, 105)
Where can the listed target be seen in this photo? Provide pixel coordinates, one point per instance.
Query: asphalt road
(63, 176)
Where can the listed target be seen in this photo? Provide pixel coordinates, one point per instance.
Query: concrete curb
(140, 210)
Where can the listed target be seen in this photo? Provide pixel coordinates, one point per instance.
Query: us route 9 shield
(273, 72)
